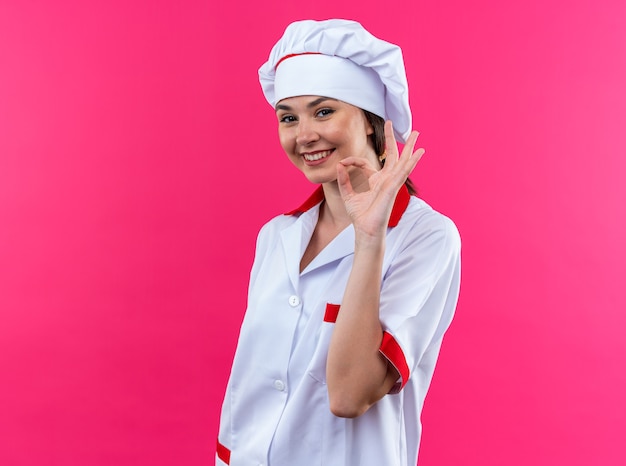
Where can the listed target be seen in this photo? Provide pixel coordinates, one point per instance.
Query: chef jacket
(276, 410)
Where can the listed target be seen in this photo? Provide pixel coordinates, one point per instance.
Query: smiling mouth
(318, 155)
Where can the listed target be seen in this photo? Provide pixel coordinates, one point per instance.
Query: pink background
(138, 159)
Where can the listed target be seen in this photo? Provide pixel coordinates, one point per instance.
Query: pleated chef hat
(339, 59)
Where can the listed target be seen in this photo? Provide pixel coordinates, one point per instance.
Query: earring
(382, 157)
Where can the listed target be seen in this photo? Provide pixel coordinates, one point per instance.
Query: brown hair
(378, 141)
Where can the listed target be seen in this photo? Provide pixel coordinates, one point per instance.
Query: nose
(306, 133)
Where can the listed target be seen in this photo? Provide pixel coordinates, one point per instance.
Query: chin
(319, 178)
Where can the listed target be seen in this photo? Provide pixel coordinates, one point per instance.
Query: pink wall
(138, 159)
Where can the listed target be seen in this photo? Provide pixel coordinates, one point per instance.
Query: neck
(333, 211)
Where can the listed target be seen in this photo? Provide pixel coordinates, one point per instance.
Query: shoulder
(267, 241)
(424, 241)
(420, 222)
(270, 233)
(277, 224)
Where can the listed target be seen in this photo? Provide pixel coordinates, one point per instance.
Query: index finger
(391, 146)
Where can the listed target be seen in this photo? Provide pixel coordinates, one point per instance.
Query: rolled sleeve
(419, 295)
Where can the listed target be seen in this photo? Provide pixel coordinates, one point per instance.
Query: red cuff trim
(332, 311)
(223, 453)
(392, 351)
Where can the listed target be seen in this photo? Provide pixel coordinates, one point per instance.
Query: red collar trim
(312, 201)
(399, 206)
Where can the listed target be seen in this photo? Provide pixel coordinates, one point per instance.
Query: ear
(369, 129)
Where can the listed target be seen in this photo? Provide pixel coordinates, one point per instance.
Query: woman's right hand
(370, 210)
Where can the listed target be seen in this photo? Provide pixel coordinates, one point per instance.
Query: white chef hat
(338, 58)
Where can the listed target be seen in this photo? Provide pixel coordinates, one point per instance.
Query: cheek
(359, 132)
(284, 139)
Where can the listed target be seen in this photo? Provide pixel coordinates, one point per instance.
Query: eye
(286, 118)
(324, 112)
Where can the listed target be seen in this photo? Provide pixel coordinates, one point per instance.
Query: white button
(294, 301)
(279, 385)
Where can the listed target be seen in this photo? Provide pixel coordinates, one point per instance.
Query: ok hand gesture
(370, 210)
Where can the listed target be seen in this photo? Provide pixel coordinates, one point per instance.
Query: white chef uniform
(276, 410)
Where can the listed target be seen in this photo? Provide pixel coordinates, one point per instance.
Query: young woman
(351, 293)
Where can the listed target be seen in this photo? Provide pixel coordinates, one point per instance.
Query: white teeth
(317, 155)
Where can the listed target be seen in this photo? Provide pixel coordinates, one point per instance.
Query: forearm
(357, 374)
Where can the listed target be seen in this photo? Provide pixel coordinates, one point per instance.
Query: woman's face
(316, 132)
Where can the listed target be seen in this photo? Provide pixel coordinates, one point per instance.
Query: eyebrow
(309, 105)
